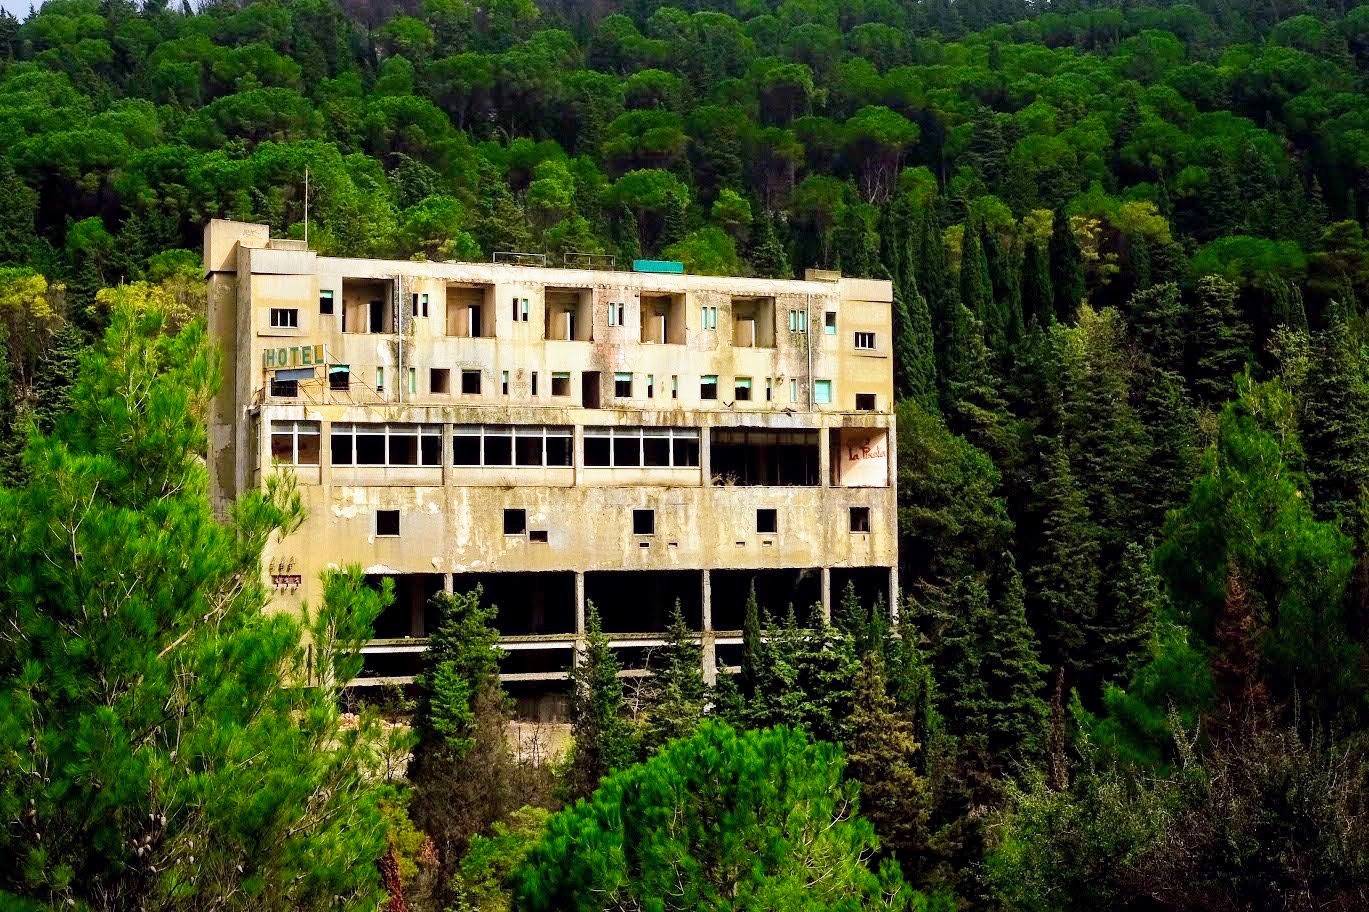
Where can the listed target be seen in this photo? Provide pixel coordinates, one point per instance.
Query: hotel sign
(294, 356)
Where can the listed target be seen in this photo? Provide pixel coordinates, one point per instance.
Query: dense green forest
(1127, 241)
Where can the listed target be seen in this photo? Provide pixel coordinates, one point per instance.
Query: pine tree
(1064, 572)
(1127, 622)
(156, 742)
(751, 675)
(857, 247)
(1038, 297)
(882, 755)
(1218, 340)
(678, 692)
(604, 739)
(1171, 451)
(676, 221)
(1335, 426)
(768, 258)
(462, 658)
(1066, 268)
(1156, 315)
(17, 231)
(933, 278)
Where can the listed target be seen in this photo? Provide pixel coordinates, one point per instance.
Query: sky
(20, 8)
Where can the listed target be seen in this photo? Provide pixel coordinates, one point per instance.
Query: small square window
(742, 389)
(387, 523)
(340, 378)
(515, 522)
(767, 521)
(822, 392)
(470, 382)
(439, 381)
(285, 317)
(560, 383)
(325, 301)
(829, 323)
(622, 386)
(708, 386)
(860, 519)
(865, 402)
(643, 522)
(865, 341)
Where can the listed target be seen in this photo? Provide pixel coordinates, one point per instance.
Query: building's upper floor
(297, 325)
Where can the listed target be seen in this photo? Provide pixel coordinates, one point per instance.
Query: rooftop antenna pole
(306, 207)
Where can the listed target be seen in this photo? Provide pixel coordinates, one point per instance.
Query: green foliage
(678, 693)
(156, 731)
(461, 659)
(759, 820)
(604, 739)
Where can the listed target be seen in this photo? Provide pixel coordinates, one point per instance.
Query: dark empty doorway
(589, 389)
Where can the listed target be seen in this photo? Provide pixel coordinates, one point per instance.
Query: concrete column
(325, 455)
(893, 594)
(577, 461)
(705, 461)
(707, 641)
(579, 613)
(824, 455)
(416, 606)
(447, 582)
(825, 574)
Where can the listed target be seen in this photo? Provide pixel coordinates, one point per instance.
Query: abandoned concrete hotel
(559, 436)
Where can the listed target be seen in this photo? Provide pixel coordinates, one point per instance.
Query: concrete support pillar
(893, 594)
(825, 584)
(824, 456)
(447, 583)
(416, 606)
(577, 461)
(707, 641)
(579, 616)
(705, 460)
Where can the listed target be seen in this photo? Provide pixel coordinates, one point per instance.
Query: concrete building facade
(558, 436)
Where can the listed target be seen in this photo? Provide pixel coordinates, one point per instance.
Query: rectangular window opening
(865, 402)
(325, 301)
(865, 341)
(339, 377)
(860, 519)
(440, 381)
(829, 323)
(741, 388)
(470, 382)
(534, 383)
(285, 317)
(387, 523)
(515, 522)
(560, 383)
(708, 386)
(822, 392)
(767, 521)
(622, 385)
(537, 536)
(643, 522)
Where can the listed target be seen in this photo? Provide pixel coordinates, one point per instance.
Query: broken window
(470, 382)
(760, 456)
(674, 386)
(860, 519)
(380, 379)
(768, 392)
(622, 385)
(617, 313)
(467, 315)
(295, 442)
(643, 522)
(865, 341)
(829, 323)
(439, 381)
(339, 377)
(635, 447)
(285, 389)
(767, 521)
(663, 318)
(822, 392)
(387, 444)
(503, 383)
(865, 402)
(520, 310)
(708, 386)
(285, 317)
(502, 445)
(325, 301)
(387, 523)
(741, 389)
(534, 383)
(560, 383)
(515, 522)
(650, 385)
(753, 322)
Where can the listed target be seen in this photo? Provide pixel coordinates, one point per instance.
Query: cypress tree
(976, 288)
(1156, 315)
(675, 221)
(604, 739)
(17, 215)
(1218, 339)
(1171, 452)
(914, 355)
(857, 246)
(933, 277)
(1038, 297)
(1126, 623)
(1335, 427)
(1004, 321)
(752, 672)
(1067, 269)
(678, 692)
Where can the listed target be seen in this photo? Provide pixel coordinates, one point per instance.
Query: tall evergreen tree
(157, 748)
(914, 354)
(751, 674)
(976, 288)
(678, 693)
(1218, 339)
(767, 253)
(1038, 296)
(1066, 267)
(1004, 320)
(1156, 315)
(1335, 425)
(17, 230)
(604, 739)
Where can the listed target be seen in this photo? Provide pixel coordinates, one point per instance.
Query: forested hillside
(1128, 250)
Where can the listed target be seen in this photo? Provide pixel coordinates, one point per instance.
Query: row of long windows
(496, 445)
